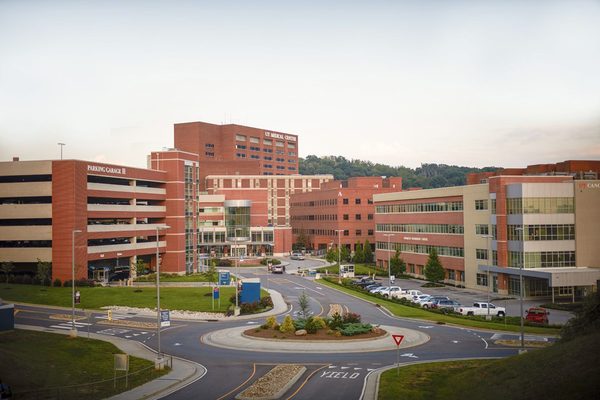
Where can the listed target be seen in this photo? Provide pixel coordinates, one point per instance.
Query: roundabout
(235, 339)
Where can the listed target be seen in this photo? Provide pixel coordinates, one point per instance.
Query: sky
(473, 83)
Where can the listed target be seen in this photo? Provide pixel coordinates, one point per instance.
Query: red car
(537, 315)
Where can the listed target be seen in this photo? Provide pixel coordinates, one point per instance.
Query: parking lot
(467, 297)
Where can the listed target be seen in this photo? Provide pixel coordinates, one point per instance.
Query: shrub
(336, 321)
(351, 318)
(287, 325)
(273, 261)
(266, 302)
(57, 283)
(311, 326)
(224, 262)
(27, 280)
(85, 283)
(299, 323)
(271, 322)
(355, 329)
(320, 322)
(67, 283)
(249, 308)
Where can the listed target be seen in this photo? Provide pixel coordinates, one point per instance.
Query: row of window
(316, 203)
(444, 206)
(265, 142)
(540, 205)
(220, 237)
(541, 232)
(481, 204)
(328, 232)
(541, 259)
(421, 228)
(318, 217)
(422, 249)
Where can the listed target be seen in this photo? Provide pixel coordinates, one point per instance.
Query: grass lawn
(419, 313)
(50, 362)
(563, 371)
(192, 299)
(173, 278)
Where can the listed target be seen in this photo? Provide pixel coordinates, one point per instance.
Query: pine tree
(434, 272)
(397, 264)
(359, 256)
(368, 252)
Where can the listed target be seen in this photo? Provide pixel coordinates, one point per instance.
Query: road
(328, 376)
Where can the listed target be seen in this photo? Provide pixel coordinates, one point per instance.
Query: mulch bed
(320, 335)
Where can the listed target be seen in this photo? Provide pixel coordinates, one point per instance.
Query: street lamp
(521, 265)
(339, 232)
(158, 354)
(488, 237)
(61, 150)
(73, 328)
(389, 235)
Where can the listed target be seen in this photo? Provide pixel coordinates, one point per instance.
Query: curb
(371, 387)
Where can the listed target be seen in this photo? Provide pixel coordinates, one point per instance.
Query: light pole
(389, 235)
(521, 265)
(237, 273)
(73, 328)
(488, 237)
(339, 232)
(158, 354)
(61, 149)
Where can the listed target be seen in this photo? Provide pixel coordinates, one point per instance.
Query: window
(493, 206)
(481, 229)
(240, 155)
(268, 166)
(279, 144)
(291, 154)
(444, 206)
(481, 254)
(346, 218)
(254, 139)
(291, 145)
(254, 148)
(209, 146)
(268, 142)
(541, 232)
(421, 228)
(540, 205)
(256, 157)
(346, 233)
(268, 150)
(280, 167)
(481, 204)
(345, 201)
(357, 201)
(240, 146)
(370, 232)
(358, 217)
(268, 158)
(241, 138)
(209, 154)
(292, 168)
(292, 161)
(280, 152)
(280, 159)
(482, 279)
(370, 217)
(358, 232)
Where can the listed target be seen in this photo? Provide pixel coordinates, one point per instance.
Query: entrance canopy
(557, 277)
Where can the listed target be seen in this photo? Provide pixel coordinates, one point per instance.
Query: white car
(392, 291)
(297, 256)
(378, 289)
(422, 297)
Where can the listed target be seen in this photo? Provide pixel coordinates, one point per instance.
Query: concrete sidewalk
(183, 372)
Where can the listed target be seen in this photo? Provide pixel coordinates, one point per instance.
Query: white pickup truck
(481, 308)
(409, 294)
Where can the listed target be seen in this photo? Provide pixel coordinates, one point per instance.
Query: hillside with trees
(426, 176)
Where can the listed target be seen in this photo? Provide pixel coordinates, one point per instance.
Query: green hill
(426, 176)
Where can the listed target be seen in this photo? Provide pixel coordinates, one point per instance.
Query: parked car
(372, 286)
(365, 283)
(297, 256)
(481, 308)
(537, 315)
(410, 294)
(451, 305)
(378, 289)
(422, 297)
(277, 269)
(391, 292)
(429, 302)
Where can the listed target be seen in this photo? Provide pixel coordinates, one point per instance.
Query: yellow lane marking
(241, 385)
(306, 380)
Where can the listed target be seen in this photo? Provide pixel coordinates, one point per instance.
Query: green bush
(266, 302)
(355, 329)
(287, 325)
(311, 326)
(249, 308)
(335, 322)
(351, 318)
(271, 322)
(299, 323)
(273, 261)
(320, 322)
(57, 283)
(27, 280)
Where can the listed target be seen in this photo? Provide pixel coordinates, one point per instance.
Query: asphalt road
(328, 376)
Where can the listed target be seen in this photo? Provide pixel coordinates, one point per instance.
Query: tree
(6, 267)
(345, 254)
(44, 271)
(141, 267)
(434, 272)
(359, 255)
(304, 306)
(332, 255)
(302, 242)
(397, 264)
(211, 272)
(367, 252)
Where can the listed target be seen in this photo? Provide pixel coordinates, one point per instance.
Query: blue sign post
(224, 278)
(165, 318)
(216, 296)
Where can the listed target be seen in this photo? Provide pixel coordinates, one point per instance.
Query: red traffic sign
(398, 339)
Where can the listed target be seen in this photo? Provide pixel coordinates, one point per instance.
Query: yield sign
(398, 339)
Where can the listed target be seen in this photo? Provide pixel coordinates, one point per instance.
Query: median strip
(274, 383)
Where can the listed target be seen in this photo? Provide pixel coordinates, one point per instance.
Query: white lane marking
(251, 323)
(409, 355)
(319, 288)
(425, 326)
(344, 367)
(60, 327)
(177, 344)
(332, 366)
(455, 341)
(484, 341)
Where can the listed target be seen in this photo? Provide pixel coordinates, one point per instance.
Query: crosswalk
(114, 316)
(69, 325)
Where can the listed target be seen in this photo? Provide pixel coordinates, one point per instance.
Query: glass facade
(541, 259)
(540, 205)
(443, 206)
(421, 228)
(237, 223)
(541, 232)
(422, 249)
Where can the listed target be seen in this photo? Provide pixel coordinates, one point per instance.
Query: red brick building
(235, 149)
(345, 206)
